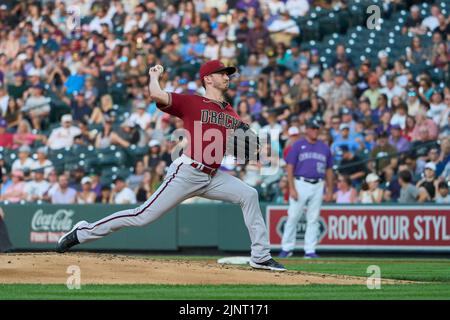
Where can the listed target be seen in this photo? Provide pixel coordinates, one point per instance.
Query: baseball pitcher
(208, 120)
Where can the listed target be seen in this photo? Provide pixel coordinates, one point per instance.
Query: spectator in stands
(24, 162)
(373, 92)
(105, 195)
(373, 194)
(345, 193)
(61, 193)
(105, 108)
(408, 192)
(431, 22)
(416, 54)
(140, 117)
(352, 166)
(86, 195)
(37, 106)
(143, 190)
(42, 162)
(343, 139)
(129, 132)
(135, 179)
(442, 196)
(13, 115)
(63, 136)
(14, 192)
(24, 137)
(397, 140)
(258, 32)
(442, 58)
(107, 137)
(283, 29)
(413, 22)
(339, 91)
(392, 89)
(297, 8)
(424, 124)
(400, 116)
(121, 194)
(384, 153)
(80, 109)
(36, 189)
(427, 185)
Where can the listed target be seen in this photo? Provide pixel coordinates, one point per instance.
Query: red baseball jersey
(207, 122)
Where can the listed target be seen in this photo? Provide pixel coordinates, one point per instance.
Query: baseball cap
(214, 66)
(66, 118)
(344, 126)
(42, 150)
(153, 143)
(372, 177)
(293, 131)
(25, 148)
(39, 170)
(313, 123)
(345, 110)
(396, 126)
(430, 165)
(339, 73)
(86, 180)
(382, 54)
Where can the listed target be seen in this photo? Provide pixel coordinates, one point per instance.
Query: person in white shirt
(4, 100)
(437, 107)
(391, 90)
(101, 17)
(284, 29)
(442, 196)
(275, 6)
(37, 188)
(432, 22)
(42, 162)
(24, 162)
(297, 8)
(212, 47)
(62, 137)
(122, 194)
(141, 117)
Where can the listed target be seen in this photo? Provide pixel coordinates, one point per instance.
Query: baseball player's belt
(312, 181)
(199, 166)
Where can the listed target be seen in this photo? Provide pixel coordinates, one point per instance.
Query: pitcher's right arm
(161, 97)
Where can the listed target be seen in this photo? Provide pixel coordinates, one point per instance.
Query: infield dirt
(51, 268)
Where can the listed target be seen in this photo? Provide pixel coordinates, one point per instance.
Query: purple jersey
(310, 161)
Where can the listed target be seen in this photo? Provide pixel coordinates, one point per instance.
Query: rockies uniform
(310, 163)
(195, 173)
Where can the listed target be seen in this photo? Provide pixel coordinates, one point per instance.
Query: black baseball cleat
(69, 240)
(268, 265)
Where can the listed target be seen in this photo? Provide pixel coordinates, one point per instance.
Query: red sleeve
(177, 104)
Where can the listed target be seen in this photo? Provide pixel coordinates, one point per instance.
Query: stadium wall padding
(221, 225)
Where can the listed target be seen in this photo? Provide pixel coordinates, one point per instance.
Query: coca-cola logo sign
(61, 220)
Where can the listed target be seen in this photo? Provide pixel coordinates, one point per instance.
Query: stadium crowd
(74, 73)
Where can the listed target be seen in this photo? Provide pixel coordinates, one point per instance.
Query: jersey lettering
(219, 118)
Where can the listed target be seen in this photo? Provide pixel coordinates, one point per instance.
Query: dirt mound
(51, 268)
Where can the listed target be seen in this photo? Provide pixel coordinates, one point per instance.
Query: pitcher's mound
(52, 268)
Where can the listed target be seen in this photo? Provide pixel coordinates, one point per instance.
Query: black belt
(312, 181)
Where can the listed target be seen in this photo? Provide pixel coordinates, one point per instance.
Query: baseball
(160, 68)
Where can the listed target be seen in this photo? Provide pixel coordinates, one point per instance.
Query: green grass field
(434, 275)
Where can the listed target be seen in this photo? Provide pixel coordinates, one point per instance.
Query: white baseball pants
(182, 181)
(309, 199)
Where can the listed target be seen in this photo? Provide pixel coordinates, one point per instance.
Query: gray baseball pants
(182, 181)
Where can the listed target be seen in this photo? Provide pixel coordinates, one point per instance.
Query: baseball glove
(243, 144)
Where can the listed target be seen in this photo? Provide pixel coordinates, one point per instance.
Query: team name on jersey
(219, 118)
(311, 155)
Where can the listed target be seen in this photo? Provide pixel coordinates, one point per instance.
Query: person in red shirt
(6, 138)
(208, 120)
